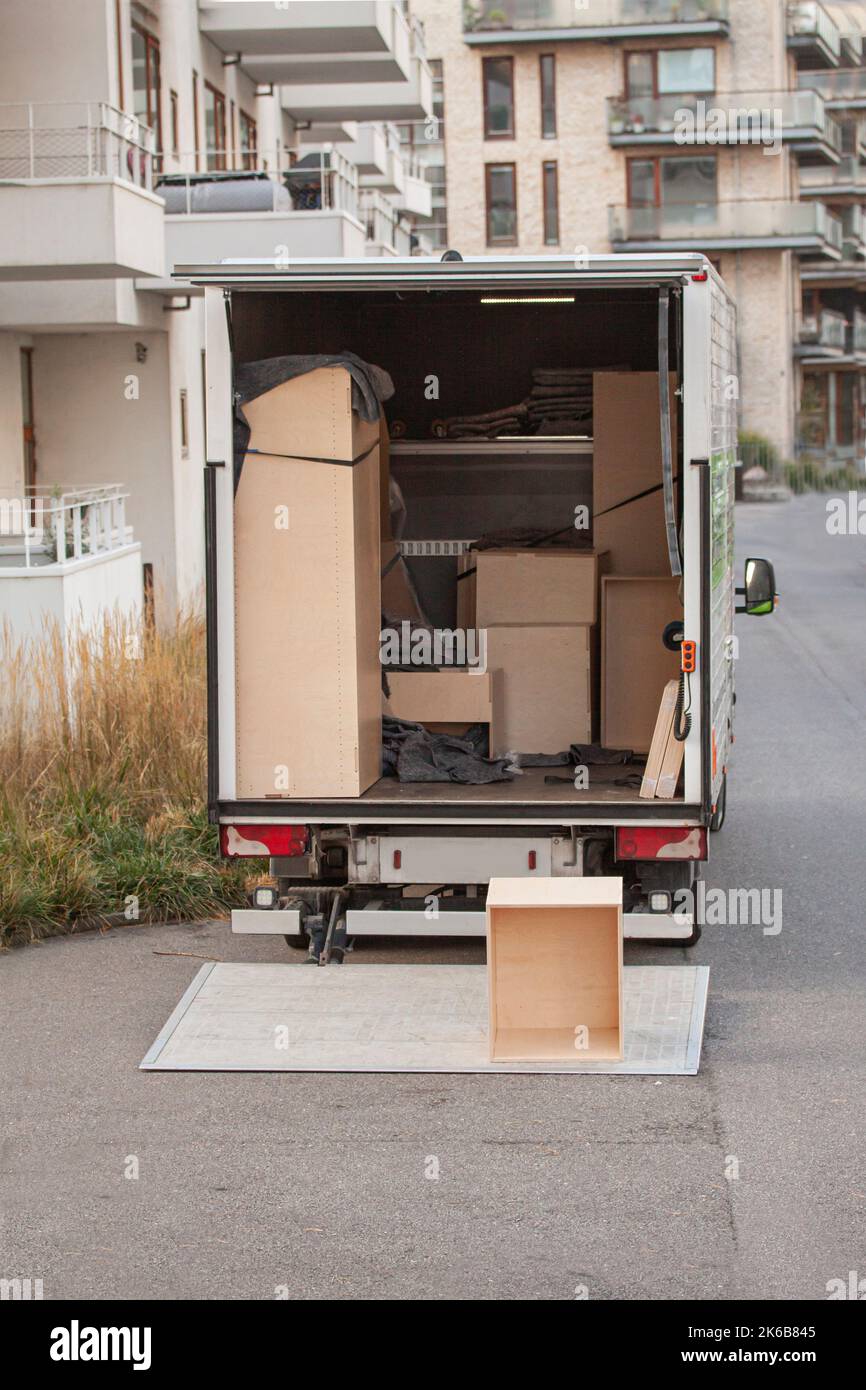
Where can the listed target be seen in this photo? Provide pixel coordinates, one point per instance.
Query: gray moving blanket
(371, 386)
(414, 754)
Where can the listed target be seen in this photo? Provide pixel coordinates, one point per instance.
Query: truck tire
(718, 818)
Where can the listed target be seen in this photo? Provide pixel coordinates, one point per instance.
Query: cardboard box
(308, 679)
(627, 459)
(444, 701)
(543, 685)
(635, 666)
(554, 969)
(527, 586)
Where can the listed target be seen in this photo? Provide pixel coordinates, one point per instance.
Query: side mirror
(760, 588)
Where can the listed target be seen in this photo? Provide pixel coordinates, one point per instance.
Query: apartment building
(136, 136)
(727, 126)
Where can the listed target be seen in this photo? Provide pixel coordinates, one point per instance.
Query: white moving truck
(461, 337)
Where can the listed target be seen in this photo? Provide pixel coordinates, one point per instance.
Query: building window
(146, 81)
(498, 76)
(27, 420)
(195, 145)
(670, 72)
(249, 151)
(671, 191)
(184, 423)
(175, 124)
(501, 190)
(547, 82)
(551, 203)
(214, 127)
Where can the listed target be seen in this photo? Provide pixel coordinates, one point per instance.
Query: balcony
(379, 51)
(797, 119)
(307, 209)
(853, 231)
(822, 335)
(533, 21)
(812, 34)
(87, 169)
(843, 90)
(835, 183)
(67, 556)
(328, 99)
(750, 224)
(386, 163)
(336, 27)
(858, 334)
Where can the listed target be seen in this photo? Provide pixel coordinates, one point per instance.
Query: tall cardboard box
(543, 686)
(626, 461)
(554, 969)
(527, 586)
(308, 677)
(635, 666)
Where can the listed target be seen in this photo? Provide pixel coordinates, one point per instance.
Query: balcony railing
(826, 329)
(324, 181)
(858, 331)
(383, 225)
(853, 230)
(492, 16)
(73, 141)
(732, 118)
(847, 178)
(750, 222)
(844, 87)
(52, 526)
(810, 25)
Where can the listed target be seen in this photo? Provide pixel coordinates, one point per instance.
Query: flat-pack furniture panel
(635, 666)
(441, 700)
(627, 460)
(554, 969)
(307, 595)
(528, 586)
(543, 687)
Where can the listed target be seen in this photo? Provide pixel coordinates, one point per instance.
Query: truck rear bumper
(637, 926)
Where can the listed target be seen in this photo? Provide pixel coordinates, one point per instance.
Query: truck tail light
(652, 842)
(278, 841)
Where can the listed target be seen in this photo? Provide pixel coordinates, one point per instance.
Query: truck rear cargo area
(513, 489)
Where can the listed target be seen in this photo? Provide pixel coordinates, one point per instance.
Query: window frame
(653, 55)
(656, 161)
(542, 58)
(220, 152)
(248, 154)
(498, 134)
(550, 166)
(153, 115)
(488, 206)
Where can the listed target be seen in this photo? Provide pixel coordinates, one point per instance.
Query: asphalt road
(252, 1182)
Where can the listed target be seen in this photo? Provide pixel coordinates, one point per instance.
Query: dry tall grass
(102, 767)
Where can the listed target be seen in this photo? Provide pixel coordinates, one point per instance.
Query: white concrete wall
(58, 50)
(91, 428)
(11, 417)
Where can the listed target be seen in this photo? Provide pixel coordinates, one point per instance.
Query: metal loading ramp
(403, 1018)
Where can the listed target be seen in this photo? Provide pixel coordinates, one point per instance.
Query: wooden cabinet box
(308, 679)
(527, 586)
(635, 665)
(543, 683)
(554, 969)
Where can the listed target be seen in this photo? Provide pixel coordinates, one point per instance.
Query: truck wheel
(718, 819)
(299, 941)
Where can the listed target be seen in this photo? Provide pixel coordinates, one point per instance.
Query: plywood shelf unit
(554, 969)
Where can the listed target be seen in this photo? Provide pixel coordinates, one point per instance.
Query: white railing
(383, 224)
(808, 19)
(74, 141)
(50, 526)
(326, 181)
